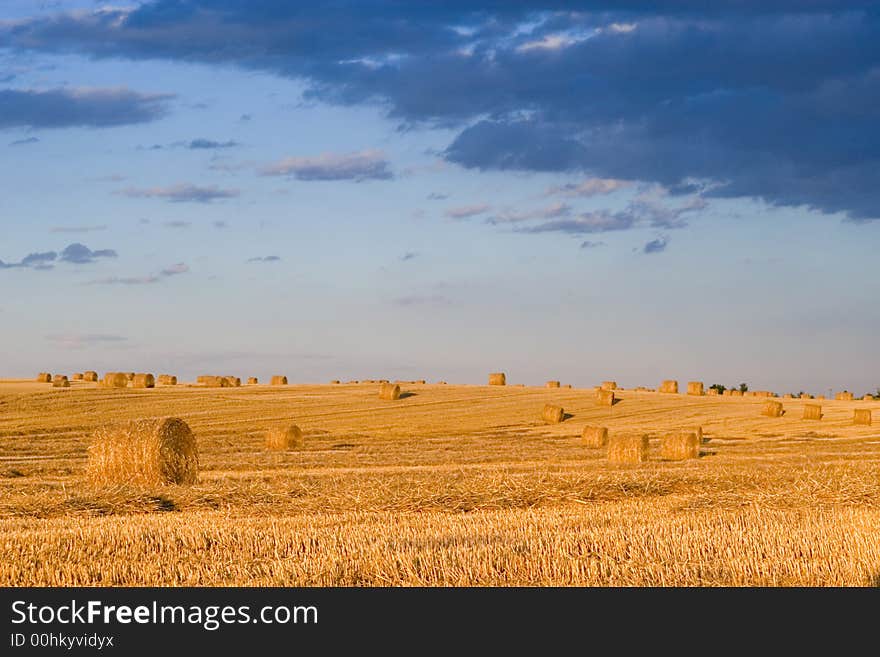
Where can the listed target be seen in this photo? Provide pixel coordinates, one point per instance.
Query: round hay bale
(129, 375)
(712, 392)
(215, 382)
(252, 381)
(609, 385)
(736, 393)
(551, 384)
(788, 395)
(284, 438)
(441, 383)
(605, 398)
(680, 445)
(868, 398)
(234, 381)
(695, 388)
(279, 380)
(772, 409)
(497, 379)
(77, 377)
(90, 376)
(389, 391)
(334, 382)
(201, 378)
(862, 416)
(552, 414)
(167, 380)
(148, 452)
(844, 396)
(805, 395)
(595, 437)
(812, 411)
(143, 380)
(669, 386)
(44, 377)
(60, 381)
(115, 380)
(626, 449)
(727, 393)
(819, 397)
(567, 386)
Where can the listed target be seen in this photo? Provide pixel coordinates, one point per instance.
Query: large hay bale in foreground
(279, 380)
(595, 436)
(389, 391)
(862, 416)
(147, 452)
(605, 397)
(143, 380)
(552, 414)
(552, 384)
(669, 386)
(695, 388)
(772, 409)
(844, 396)
(680, 445)
(60, 381)
(77, 377)
(115, 380)
(252, 381)
(497, 379)
(44, 377)
(284, 437)
(624, 449)
(812, 411)
(609, 385)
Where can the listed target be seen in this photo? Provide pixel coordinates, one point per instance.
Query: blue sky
(578, 191)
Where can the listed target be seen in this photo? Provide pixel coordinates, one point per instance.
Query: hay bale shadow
(616, 401)
(405, 395)
(567, 416)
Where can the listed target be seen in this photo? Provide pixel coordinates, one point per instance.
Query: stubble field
(452, 485)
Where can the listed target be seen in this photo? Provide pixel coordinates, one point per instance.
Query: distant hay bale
(552, 414)
(215, 382)
(812, 411)
(201, 378)
(567, 386)
(805, 395)
(90, 376)
(60, 381)
(441, 383)
(609, 385)
(862, 416)
(167, 380)
(279, 380)
(820, 397)
(712, 392)
(154, 451)
(605, 397)
(727, 393)
(252, 381)
(844, 396)
(497, 379)
(334, 382)
(44, 377)
(868, 398)
(129, 375)
(772, 409)
(519, 385)
(669, 386)
(420, 382)
(695, 388)
(736, 393)
(595, 437)
(389, 391)
(680, 445)
(284, 437)
(355, 381)
(115, 380)
(77, 377)
(623, 449)
(552, 384)
(234, 381)
(143, 381)
(763, 393)
(788, 395)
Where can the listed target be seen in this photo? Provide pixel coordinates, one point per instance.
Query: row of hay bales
(633, 448)
(771, 408)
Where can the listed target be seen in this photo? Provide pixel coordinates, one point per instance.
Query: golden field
(449, 485)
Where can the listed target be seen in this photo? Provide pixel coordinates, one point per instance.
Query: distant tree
(743, 388)
(717, 386)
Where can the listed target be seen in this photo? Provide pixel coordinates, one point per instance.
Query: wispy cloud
(149, 279)
(589, 187)
(436, 196)
(409, 255)
(182, 193)
(175, 270)
(587, 244)
(25, 141)
(422, 300)
(78, 229)
(268, 258)
(554, 211)
(588, 222)
(177, 223)
(362, 165)
(656, 245)
(80, 341)
(199, 144)
(467, 211)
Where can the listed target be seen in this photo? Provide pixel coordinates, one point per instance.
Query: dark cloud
(39, 260)
(63, 108)
(656, 245)
(269, 258)
(409, 255)
(587, 244)
(80, 254)
(25, 141)
(778, 100)
(182, 193)
(209, 144)
(363, 165)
